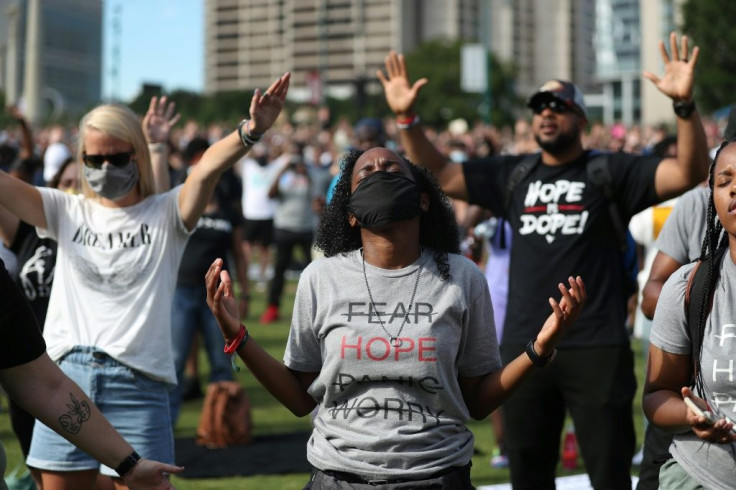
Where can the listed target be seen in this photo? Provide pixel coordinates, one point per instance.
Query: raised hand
(15, 113)
(221, 300)
(159, 120)
(150, 475)
(400, 93)
(719, 433)
(265, 107)
(679, 70)
(563, 315)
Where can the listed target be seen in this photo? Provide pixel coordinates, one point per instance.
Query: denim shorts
(136, 405)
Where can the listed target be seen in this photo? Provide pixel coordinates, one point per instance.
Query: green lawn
(270, 417)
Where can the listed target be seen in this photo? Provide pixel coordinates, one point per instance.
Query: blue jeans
(190, 314)
(136, 405)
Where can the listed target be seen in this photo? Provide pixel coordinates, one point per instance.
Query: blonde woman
(119, 247)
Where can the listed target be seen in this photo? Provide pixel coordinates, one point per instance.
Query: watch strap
(536, 359)
(127, 464)
(683, 108)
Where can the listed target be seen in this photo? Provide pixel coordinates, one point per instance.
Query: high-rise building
(618, 50)
(335, 45)
(662, 17)
(68, 57)
(546, 39)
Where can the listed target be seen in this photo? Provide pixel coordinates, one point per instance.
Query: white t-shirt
(115, 276)
(257, 181)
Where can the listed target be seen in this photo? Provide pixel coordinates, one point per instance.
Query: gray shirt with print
(682, 234)
(387, 411)
(713, 465)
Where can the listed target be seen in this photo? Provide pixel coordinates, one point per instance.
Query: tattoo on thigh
(79, 412)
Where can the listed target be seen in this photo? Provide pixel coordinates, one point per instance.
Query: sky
(160, 42)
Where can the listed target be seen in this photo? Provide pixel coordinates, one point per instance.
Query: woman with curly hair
(392, 336)
(703, 451)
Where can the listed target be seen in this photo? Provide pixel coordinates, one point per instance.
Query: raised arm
(200, 184)
(26, 144)
(401, 95)
(676, 175)
(157, 124)
(22, 199)
(483, 394)
(287, 386)
(48, 394)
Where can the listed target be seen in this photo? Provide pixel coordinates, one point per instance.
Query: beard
(561, 143)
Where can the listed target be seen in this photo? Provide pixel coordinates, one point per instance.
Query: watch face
(684, 109)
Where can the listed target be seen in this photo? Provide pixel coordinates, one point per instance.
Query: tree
(708, 24)
(442, 99)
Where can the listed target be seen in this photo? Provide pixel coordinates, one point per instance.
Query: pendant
(396, 342)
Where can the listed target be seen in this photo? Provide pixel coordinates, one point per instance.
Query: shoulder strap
(600, 175)
(696, 286)
(520, 171)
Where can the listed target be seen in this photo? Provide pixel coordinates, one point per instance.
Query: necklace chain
(395, 340)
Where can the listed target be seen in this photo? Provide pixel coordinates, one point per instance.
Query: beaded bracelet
(246, 137)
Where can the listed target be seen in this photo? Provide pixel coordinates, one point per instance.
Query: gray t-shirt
(387, 412)
(682, 234)
(713, 465)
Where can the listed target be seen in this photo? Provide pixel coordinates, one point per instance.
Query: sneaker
(638, 457)
(270, 315)
(499, 460)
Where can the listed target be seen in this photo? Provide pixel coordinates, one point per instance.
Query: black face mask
(383, 198)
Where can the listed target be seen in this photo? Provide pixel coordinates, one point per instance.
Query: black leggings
(285, 243)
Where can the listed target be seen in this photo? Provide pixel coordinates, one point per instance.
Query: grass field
(270, 417)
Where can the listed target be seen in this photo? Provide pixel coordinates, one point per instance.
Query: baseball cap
(566, 92)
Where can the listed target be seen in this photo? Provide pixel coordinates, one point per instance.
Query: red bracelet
(233, 346)
(408, 122)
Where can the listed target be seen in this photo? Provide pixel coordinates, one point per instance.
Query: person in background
(257, 172)
(217, 234)
(392, 300)
(119, 247)
(561, 222)
(293, 224)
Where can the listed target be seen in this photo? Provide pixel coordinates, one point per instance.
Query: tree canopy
(708, 24)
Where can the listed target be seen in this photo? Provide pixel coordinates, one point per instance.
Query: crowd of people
(147, 220)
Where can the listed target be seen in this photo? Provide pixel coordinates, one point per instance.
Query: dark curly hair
(714, 240)
(437, 227)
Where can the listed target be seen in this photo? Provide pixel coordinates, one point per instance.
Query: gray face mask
(112, 182)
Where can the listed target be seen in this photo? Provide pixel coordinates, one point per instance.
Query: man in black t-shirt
(562, 227)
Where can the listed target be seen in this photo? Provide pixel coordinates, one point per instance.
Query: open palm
(400, 93)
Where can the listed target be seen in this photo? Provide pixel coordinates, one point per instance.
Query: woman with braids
(704, 454)
(392, 336)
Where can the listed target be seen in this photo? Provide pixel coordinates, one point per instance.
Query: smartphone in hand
(710, 417)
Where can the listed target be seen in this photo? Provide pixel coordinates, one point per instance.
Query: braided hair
(437, 226)
(713, 240)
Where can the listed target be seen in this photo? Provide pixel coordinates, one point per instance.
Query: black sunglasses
(553, 105)
(116, 159)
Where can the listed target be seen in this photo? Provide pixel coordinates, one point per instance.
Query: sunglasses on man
(116, 159)
(554, 105)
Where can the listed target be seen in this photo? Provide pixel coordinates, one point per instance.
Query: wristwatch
(536, 359)
(127, 464)
(683, 109)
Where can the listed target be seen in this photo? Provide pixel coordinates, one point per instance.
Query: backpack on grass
(225, 419)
